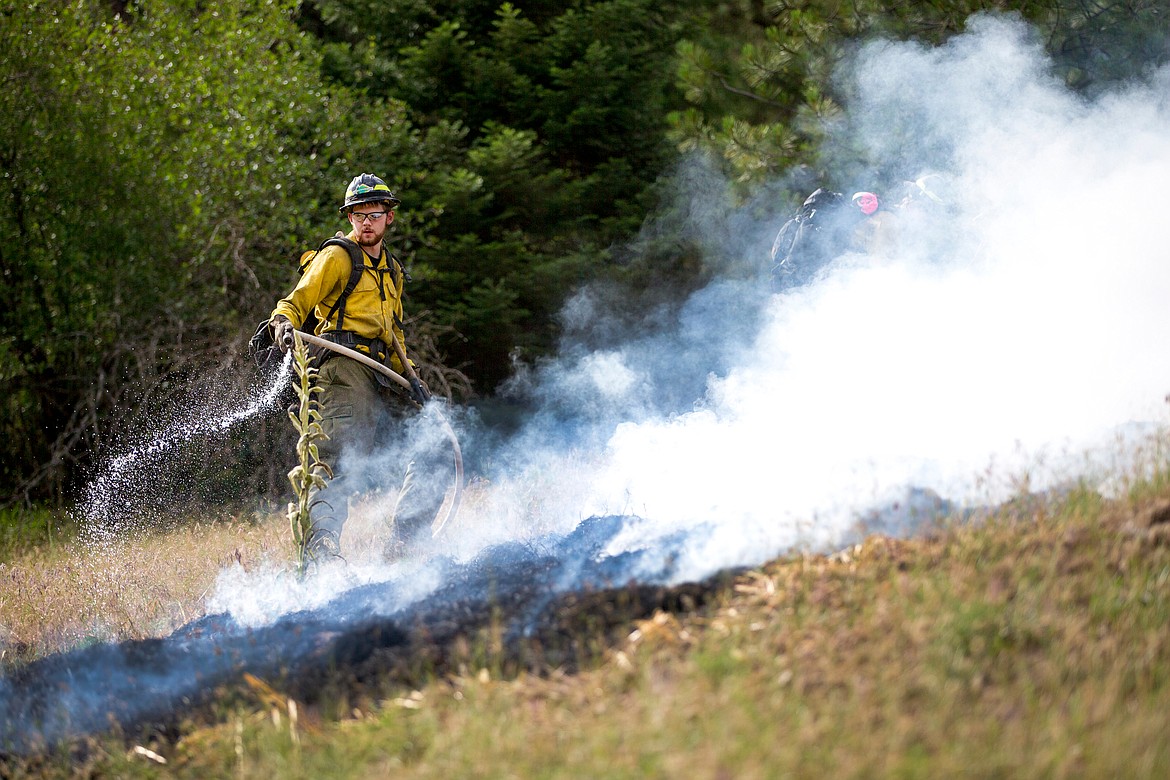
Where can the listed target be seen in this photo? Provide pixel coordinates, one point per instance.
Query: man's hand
(282, 332)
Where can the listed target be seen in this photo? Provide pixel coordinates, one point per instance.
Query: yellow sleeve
(322, 282)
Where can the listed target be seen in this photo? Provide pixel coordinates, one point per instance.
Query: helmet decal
(362, 189)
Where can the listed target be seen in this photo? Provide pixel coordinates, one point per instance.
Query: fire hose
(413, 385)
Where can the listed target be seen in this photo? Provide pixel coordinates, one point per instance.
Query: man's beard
(373, 240)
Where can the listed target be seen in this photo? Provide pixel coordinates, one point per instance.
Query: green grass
(23, 529)
(1031, 644)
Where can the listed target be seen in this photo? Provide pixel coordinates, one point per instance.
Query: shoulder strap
(394, 261)
(357, 260)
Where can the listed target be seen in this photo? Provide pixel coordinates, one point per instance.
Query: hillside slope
(1034, 642)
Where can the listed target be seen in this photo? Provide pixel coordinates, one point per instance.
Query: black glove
(419, 391)
(282, 332)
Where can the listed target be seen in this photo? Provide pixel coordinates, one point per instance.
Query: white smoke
(995, 351)
(1011, 344)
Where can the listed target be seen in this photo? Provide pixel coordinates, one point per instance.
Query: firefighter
(877, 227)
(359, 407)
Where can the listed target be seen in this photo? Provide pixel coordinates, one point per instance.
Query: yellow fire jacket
(374, 308)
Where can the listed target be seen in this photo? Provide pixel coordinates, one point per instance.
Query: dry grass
(1033, 646)
(56, 598)
(1035, 643)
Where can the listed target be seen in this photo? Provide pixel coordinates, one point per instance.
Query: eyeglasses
(372, 216)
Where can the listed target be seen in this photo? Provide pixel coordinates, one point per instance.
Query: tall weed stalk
(311, 474)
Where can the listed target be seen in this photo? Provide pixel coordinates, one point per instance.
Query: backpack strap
(357, 261)
(394, 261)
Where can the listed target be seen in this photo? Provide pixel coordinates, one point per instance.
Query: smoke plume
(1005, 340)
(1002, 340)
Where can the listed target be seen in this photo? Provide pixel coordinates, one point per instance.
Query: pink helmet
(866, 201)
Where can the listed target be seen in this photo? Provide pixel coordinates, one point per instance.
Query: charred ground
(508, 608)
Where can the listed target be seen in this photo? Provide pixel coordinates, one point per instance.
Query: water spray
(100, 494)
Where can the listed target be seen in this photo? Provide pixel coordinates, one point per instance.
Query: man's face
(369, 221)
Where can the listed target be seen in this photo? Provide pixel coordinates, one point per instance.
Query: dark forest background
(162, 166)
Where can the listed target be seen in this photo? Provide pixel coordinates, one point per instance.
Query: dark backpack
(262, 345)
(805, 234)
